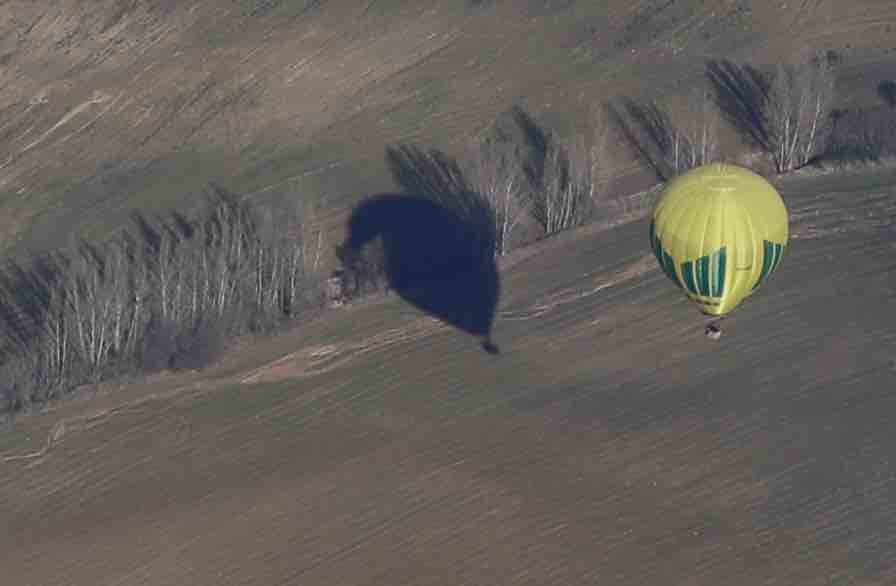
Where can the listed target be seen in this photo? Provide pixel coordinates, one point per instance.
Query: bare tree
(667, 147)
(589, 157)
(140, 291)
(165, 267)
(307, 236)
(556, 199)
(785, 112)
(800, 99)
(295, 272)
(281, 262)
(54, 341)
(92, 293)
(560, 185)
(498, 176)
(121, 296)
(697, 134)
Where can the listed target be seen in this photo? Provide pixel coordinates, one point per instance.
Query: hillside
(611, 442)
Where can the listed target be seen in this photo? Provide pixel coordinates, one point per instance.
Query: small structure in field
(335, 289)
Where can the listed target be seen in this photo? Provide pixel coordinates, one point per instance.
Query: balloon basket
(713, 329)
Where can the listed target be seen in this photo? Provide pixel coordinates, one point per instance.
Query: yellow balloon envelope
(718, 232)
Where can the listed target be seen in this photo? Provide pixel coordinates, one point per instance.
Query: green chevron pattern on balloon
(771, 257)
(666, 261)
(706, 275)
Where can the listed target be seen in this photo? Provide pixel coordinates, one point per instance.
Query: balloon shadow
(437, 257)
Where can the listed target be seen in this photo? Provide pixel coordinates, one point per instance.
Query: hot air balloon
(718, 232)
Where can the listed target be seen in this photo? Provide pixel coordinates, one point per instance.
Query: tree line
(786, 112)
(165, 293)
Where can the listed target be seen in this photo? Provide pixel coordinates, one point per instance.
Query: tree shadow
(26, 298)
(648, 130)
(437, 241)
(538, 141)
(741, 94)
(887, 92)
(861, 136)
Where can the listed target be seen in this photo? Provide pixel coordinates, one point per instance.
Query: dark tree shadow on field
(648, 130)
(26, 296)
(741, 94)
(537, 141)
(861, 136)
(438, 241)
(887, 92)
(432, 174)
